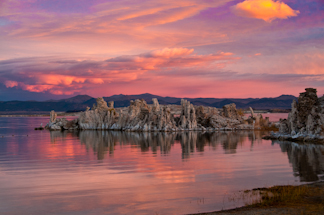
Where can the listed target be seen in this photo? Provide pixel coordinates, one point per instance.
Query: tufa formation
(140, 116)
(305, 121)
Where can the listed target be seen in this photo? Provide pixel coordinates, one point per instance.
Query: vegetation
(305, 199)
(240, 112)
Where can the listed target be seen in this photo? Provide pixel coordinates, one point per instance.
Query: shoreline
(310, 201)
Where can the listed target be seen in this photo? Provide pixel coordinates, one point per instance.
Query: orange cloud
(167, 52)
(268, 10)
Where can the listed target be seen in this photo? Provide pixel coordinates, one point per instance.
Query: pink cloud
(71, 76)
(268, 10)
(10, 84)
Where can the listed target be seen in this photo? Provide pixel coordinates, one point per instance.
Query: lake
(106, 172)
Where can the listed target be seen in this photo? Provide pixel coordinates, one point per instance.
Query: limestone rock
(305, 121)
(209, 118)
(252, 112)
(139, 116)
(306, 102)
(60, 124)
(53, 116)
(230, 111)
(156, 105)
(111, 104)
(188, 116)
(100, 117)
(101, 104)
(284, 127)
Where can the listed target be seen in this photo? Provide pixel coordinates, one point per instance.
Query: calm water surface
(101, 172)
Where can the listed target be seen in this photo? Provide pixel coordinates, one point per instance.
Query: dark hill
(77, 99)
(80, 102)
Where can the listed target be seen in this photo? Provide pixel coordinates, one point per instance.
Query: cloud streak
(65, 77)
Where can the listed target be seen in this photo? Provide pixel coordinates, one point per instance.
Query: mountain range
(80, 102)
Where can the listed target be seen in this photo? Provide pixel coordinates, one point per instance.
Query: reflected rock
(103, 142)
(307, 160)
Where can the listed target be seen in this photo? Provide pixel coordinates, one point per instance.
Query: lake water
(102, 172)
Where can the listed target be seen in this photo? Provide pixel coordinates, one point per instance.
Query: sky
(187, 48)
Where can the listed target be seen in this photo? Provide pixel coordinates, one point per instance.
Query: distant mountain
(77, 99)
(80, 102)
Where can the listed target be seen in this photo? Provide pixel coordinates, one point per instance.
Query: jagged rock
(260, 122)
(306, 102)
(252, 112)
(53, 116)
(305, 121)
(101, 104)
(100, 117)
(230, 111)
(284, 126)
(305, 116)
(53, 123)
(156, 105)
(71, 125)
(58, 124)
(188, 116)
(111, 104)
(140, 116)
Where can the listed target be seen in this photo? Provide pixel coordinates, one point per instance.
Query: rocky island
(140, 116)
(305, 122)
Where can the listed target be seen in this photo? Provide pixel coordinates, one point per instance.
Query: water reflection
(103, 142)
(307, 160)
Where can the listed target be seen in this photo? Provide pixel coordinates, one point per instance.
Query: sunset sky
(187, 48)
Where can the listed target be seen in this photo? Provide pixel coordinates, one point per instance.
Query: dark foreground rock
(305, 122)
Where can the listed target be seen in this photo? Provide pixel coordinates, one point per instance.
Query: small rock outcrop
(230, 111)
(305, 121)
(60, 123)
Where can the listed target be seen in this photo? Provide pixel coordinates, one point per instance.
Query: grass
(306, 198)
